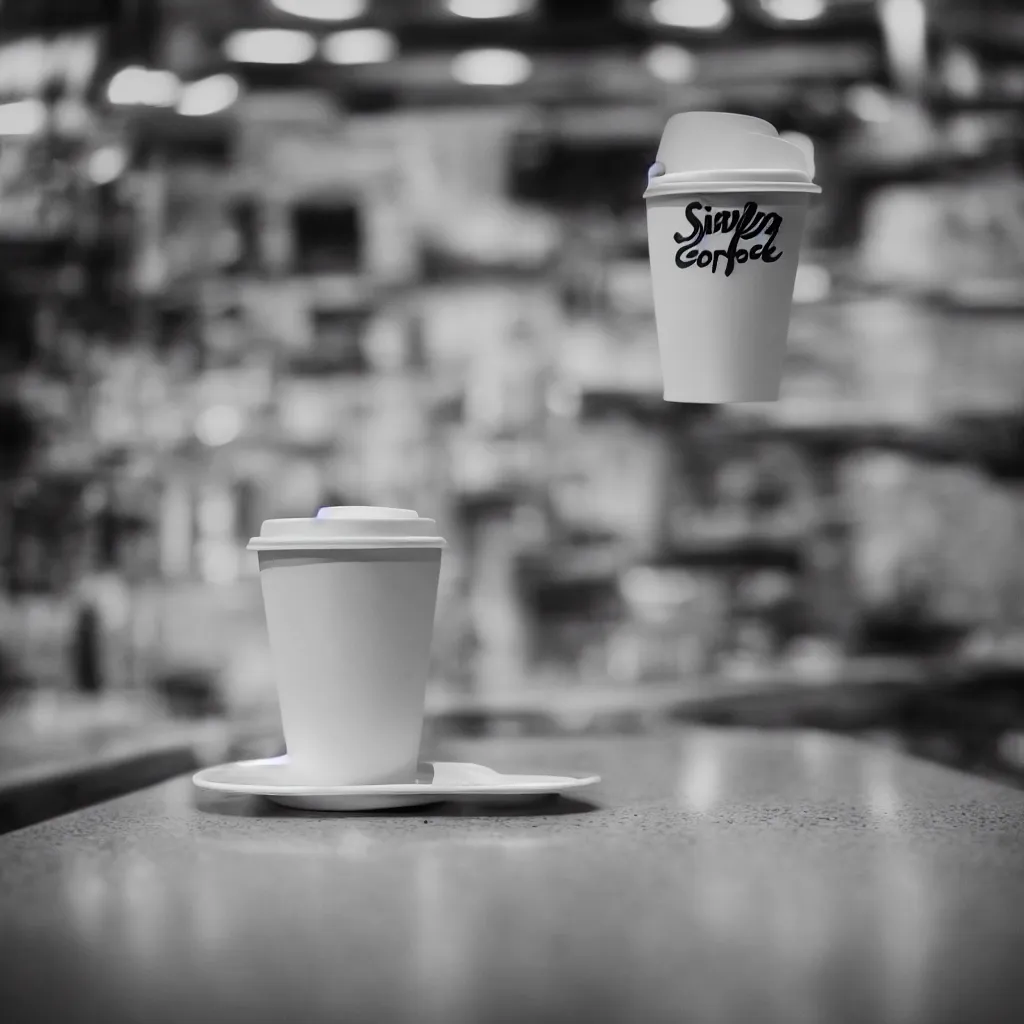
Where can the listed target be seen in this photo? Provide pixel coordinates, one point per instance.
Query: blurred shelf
(25, 256)
(754, 551)
(644, 405)
(981, 297)
(990, 104)
(605, 564)
(992, 440)
(873, 693)
(859, 688)
(889, 635)
(487, 502)
(445, 268)
(600, 563)
(933, 442)
(925, 167)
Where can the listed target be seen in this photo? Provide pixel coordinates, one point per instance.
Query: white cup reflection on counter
(349, 599)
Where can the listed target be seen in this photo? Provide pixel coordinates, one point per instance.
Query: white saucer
(436, 781)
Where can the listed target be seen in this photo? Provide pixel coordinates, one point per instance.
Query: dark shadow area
(30, 802)
(541, 807)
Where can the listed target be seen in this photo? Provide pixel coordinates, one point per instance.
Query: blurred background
(259, 256)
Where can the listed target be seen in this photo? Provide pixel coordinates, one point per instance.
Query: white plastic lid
(707, 150)
(349, 526)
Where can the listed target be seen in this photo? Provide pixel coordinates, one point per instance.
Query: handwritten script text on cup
(744, 225)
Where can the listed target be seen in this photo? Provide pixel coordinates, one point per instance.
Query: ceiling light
(107, 164)
(488, 8)
(360, 46)
(491, 67)
(208, 96)
(794, 10)
(161, 89)
(26, 117)
(705, 14)
(671, 63)
(135, 86)
(322, 10)
(962, 73)
(124, 87)
(269, 46)
(218, 425)
(869, 103)
(905, 32)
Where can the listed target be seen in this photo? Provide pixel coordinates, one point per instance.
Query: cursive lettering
(741, 225)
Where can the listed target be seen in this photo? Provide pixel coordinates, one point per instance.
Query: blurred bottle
(100, 639)
(495, 606)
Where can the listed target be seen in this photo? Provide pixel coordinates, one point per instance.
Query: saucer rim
(557, 784)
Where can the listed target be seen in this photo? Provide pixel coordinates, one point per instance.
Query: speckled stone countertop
(57, 756)
(714, 876)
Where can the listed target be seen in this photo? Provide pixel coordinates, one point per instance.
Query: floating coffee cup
(726, 204)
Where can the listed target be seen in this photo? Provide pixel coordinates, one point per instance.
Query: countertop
(57, 755)
(714, 876)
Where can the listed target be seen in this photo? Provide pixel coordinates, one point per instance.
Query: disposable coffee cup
(349, 599)
(726, 203)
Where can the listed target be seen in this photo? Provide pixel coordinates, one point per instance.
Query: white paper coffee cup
(726, 205)
(349, 599)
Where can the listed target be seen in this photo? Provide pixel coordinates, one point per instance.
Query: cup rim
(671, 185)
(298, 543)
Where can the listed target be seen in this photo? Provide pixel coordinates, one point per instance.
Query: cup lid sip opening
(348, 526)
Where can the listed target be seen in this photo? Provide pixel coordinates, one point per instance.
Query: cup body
(350, 638)
(723, 266)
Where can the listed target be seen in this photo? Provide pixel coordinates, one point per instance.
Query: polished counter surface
(714, 876)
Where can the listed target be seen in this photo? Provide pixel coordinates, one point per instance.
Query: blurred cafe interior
(261, 256)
